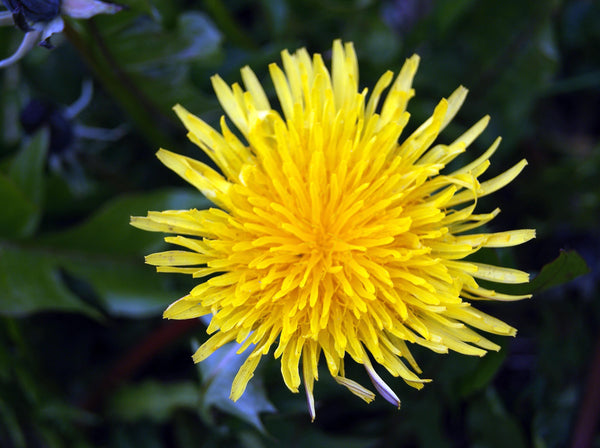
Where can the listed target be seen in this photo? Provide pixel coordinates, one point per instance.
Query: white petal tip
(381, 386)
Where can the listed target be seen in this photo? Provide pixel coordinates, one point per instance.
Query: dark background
(85, 359)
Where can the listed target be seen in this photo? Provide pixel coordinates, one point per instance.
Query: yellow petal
(500, 274)
(242, 377)
(358, 390)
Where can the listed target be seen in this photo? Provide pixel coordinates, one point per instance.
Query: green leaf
(22, 192)
(277, 12)
(568, 266)
(218, 372)
(17, 210)
(9, 422)
(61, 413)
(108, 231)
(11, 101)
(105, 252)
(147, 45)
(158, 59)
(31, 282)
(175, 88)
(125, 288)
(484, 372)
(27, 168)
(425, 418)
(448, 12)
(490, 426)
(153, 400)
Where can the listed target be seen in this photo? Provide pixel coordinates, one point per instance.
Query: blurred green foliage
(84, 357)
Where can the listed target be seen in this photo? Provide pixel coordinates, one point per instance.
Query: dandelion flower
(334, 236)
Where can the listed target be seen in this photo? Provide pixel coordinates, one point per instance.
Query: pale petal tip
(415, 58)
(216, 80)
(310, 400)
(381, 386)
(133, 220)
(162, 153)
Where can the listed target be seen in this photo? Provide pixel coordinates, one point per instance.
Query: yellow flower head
(334, 236)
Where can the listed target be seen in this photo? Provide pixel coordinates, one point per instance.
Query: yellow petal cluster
(334, 236)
